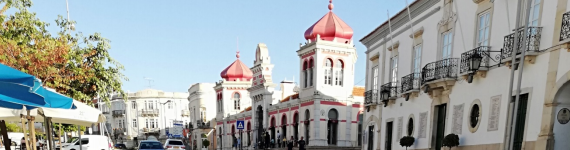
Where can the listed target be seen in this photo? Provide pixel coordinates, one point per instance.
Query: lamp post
(163, 114)
(474, 65)
(385, 94)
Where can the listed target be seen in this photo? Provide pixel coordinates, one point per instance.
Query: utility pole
(513, 119)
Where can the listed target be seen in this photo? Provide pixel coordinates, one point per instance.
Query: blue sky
(178, 43)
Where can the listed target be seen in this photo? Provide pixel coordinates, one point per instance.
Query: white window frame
(375, 78)
(394, 70)
(447, 44)
(417, 59)
(534, 15)
(483, 28)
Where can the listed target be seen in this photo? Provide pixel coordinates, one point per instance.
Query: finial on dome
(237, 51)
(331, 6)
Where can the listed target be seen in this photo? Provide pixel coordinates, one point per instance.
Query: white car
(174, 144)
(91, 142)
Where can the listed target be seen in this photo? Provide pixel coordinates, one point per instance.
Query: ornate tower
(262, 90)
(327, 58)
(232, 95)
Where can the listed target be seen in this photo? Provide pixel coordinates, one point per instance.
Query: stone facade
(430, 65)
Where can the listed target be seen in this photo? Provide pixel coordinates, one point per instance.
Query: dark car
(120, 146)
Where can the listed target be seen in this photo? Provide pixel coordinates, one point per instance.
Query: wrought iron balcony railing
(370, 97)
(202, 125)
(532, 41)
(466, 58)
(410, 82)
(392, 91)
(149, 112)
(565, 28)
(446, 68)
(117, 113)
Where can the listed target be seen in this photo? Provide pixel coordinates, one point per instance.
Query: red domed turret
(237, 70)
(330, 27)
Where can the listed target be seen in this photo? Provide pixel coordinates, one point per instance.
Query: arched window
(305, 77)
(328, 71)
(339, 70)
(236, 101)
(311, 66)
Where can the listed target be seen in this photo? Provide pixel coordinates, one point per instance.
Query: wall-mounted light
(474, 65)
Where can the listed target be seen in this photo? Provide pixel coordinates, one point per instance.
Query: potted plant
(206, 143)
(451, 140)
(407, 141)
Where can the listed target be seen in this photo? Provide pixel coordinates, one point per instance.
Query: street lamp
(474, 65)
(385, 94)
(163, 114)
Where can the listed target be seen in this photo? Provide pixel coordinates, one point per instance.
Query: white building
(147, 113)
(422, 81)
(323, 109)
(202, 104)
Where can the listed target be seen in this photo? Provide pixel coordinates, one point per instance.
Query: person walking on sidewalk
(301, 144)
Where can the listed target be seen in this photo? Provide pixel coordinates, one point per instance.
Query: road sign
(176, 130)
(240, 124)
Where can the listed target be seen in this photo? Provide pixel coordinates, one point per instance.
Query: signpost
(240, 126)
(177, 130)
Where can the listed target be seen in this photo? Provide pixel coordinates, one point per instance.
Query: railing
(202, 125)
(483, 51)
(151, 130)
(532, 41)
(185, 113)
(370, 97)
(390, 87)
(149, 112)
(565, 28)
(446, 68)
(117, 113)
(120, 130)
(410, 82)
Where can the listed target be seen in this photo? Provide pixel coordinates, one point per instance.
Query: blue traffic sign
(240, 124)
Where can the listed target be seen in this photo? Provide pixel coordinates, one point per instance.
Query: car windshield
(175, 143)
(72, 140)
(150, 145)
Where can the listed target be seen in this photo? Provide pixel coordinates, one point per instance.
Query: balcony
(185, 113)
(442, 73)
(410, 85)
(119, 131)
(370, 97)
(532, 43)
(565, 31)
(388, 91)
(147, 130)
(202, 125)
(118, 113)
(149, 113)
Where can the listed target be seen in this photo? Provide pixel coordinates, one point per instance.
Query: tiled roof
(358, 91)
(294, 96)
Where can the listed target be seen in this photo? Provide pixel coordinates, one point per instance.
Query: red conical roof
(330, 27)
(237, 70)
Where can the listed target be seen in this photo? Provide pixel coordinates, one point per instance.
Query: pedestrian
(278, 139)
(267, 139)
(284, 142)
(301, 144)
(290, 143)
(23, 143)
(238, 143)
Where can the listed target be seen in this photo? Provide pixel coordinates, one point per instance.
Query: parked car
(150, 145)
(120, 146)
(174, 144)
(91, 142)
(16, 138)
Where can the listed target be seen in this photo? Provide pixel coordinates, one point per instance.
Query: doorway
(521, 120)
(370, 137)
(562, 117)
(389, 128)
(332, 126)
(441, 113)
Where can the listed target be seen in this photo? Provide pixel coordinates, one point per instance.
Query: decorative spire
(331, 6)
(237, 52)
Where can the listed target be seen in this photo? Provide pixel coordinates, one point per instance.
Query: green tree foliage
(407, 141)
(12, 127)
(75, 65)
(206, 143)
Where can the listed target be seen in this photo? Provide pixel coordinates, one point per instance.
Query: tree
(13, 127)
(451, 140)
(75, 65)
